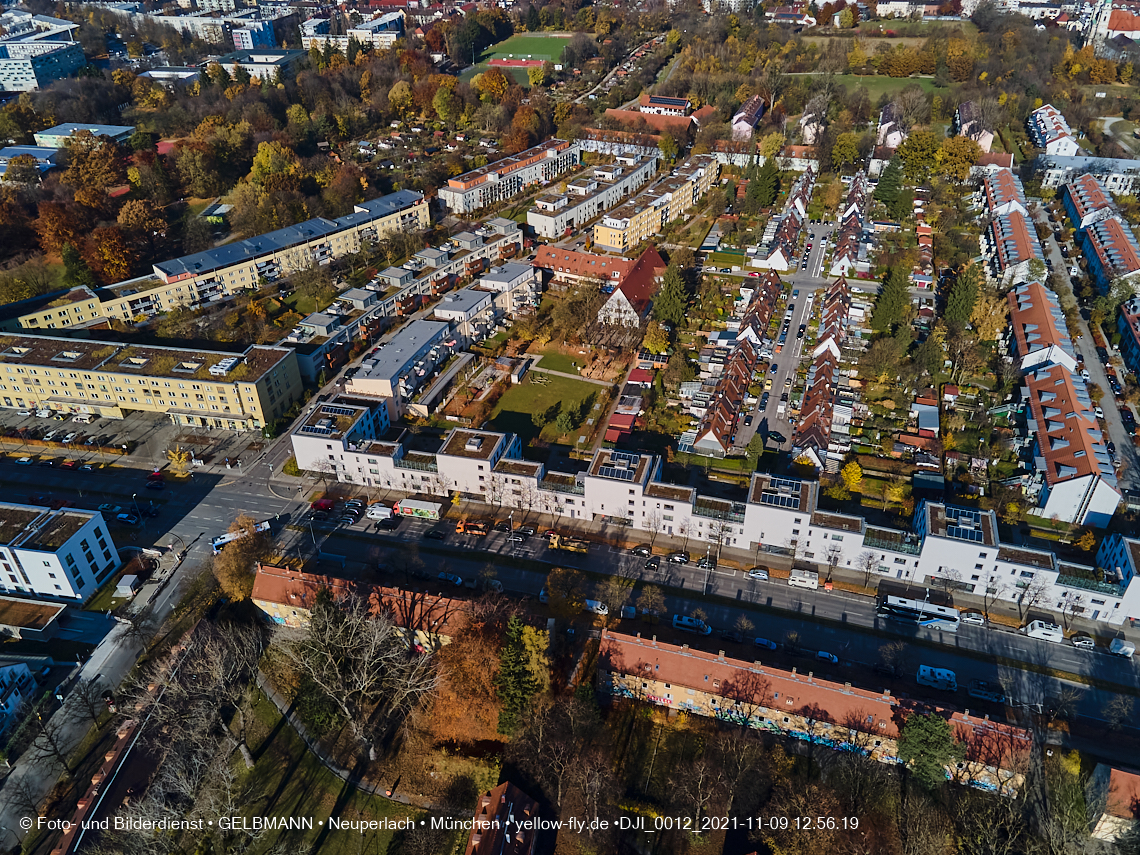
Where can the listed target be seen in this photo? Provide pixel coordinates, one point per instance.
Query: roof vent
(474, 443)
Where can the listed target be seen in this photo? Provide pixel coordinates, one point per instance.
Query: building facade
(507, 177)
(17, 687)
(61, 554)
(237, 391)
(589, 195)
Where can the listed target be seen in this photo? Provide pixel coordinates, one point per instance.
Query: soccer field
(529, 46)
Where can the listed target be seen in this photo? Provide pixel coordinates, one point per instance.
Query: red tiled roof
(996, 158)
(640, 375)
(571, 263)
(1123, 797)
(640, 284)
(1068, 434)
(498, 827)
(1033, 317)
(704, 113)
(1014, 240)
(1123, 20)
(1088, 195)
(681, 124)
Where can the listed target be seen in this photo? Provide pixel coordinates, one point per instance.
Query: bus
(230, 537)
(920, 613)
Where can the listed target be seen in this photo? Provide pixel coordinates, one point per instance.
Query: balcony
(892, 541)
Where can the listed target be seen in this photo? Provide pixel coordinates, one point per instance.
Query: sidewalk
(625, 537)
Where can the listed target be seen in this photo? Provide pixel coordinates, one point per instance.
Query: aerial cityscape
(526, 427)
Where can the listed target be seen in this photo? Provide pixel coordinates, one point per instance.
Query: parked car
(24, 461)
(127, 519)
(974, 618)
(731, 635)
(503, 525)
(390, 524)
(642, 550)
(1083, 642)
(766, 644)
(653, 563)
(454, 579)
(435, 534)
(155, 485)
(748, 420)
(678, 558)
(824, 656)
(514, 537)
(707, 563)
(525, 530)
(758, 574)
(70, 438)
(48, 461)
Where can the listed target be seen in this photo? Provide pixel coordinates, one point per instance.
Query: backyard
(517, 408)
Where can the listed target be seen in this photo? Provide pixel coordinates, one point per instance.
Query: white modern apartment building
(17, 687)
(1051, 133)
(947, 547)
(36, 50)
(1117, 175)
(380, 33)
(61, 554)
(589, 195)
(403, 364)
(507, 177)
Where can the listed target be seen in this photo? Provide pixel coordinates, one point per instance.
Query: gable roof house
(890, 133)
(1040, 336)
(631, 301)
(968, 123)
(718, 426)
(1086, 201)
(1003, 193)
(849, 235)
(1051, 133)
(746, 118)
(1111, 250)
(1011, 244)
(813, 436)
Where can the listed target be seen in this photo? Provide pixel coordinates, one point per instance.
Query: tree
(400, 97)
(754, 450)
(94, 165)
(447, 104)
(890, 183)
(532, 21)
(868, 563)
(919, 155)
(852, 475)
(990, 317)
(963, 296)
(767, 183)
(957, 157)
(845, 151)
(671, 301)
(615, 593)
(536, 75)
(651, 601)
(514, 682)
(22, 169)
(234, 565)
(566, 592)
(656, 339)
(110, 255)
(846, 18)
(892, 303)
(76, 273)
(927, 746)
(771, 146)
(56, 225)
(1087, 541)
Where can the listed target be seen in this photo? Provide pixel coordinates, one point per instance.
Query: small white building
(61, 554)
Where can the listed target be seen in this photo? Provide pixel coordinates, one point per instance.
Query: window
(977, 566)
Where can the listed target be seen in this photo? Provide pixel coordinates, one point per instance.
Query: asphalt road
(840, 623)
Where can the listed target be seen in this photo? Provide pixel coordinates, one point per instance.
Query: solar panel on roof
(337, 411)
(619, 474)
(317, 429)
(625, 455)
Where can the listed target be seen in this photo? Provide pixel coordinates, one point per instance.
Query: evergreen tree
(768, 182)
(671, 301)
(76, 273)
(890, 182)
(963, 296)
(927, 746)
(890, 307)
(514, 682)
(532, 21)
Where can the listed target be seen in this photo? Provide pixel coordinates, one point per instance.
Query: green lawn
(303, 304)
(878, 84)
(514, 410)
(105, 597)
(555, 360)
(529, 46)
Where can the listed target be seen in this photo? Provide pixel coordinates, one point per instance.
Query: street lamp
(134, 496)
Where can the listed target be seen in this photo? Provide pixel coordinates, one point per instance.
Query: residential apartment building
(1128, 324)
(1051, 133)
(1010, 244)
(323, 339)
(1117, 175)
(400, 366)
(587, 196)
(659, 105)
(1077, 481)
(804, 706)
(237, 391)
(647, 213)
(17, 687)
(36, 50)
(818, 419)
(1002, 193)
(1119, 555)
(264, 63)
(61, 135)
(61, 554)
(379, 33)
(632, 299)
(1111, 250)
(1086, 201)
(217, 274)
(1040, 335)
(506, 178)
(258, 34)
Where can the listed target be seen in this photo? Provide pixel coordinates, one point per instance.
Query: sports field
(529, 46)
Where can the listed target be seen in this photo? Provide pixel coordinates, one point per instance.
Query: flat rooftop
(28, 614)
(621, 466)
(471, 443)
(405, 346)
(332, 419)
(668, 492)
(789, 493)
(960, 523)
(51, 530)
(523, 468)
(1028, 557)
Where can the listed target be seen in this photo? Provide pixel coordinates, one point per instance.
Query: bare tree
(651, 601)
(868, 563)
(1073, 605)
(895, 656)
(653, 524)
(87, 700)
(993, 591)
(834, 556)
(683, 530)
(1117, 712)
(744, 626)
(1032, 594)
(615, 593)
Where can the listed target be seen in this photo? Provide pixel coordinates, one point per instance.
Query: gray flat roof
(245, 250)
(507, 272)
(405, 346)
(464, 300)
(357, 294)
(68, 128)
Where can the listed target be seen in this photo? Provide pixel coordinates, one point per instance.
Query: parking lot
(145, 437)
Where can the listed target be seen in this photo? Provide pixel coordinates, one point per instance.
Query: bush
(291, 468)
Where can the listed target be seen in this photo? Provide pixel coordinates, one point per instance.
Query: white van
(691, 624)
(378, 511)
(1122, 647)
(597, 607)
(83, 419)
(1045, 631)
(804, 579)
(937, 678)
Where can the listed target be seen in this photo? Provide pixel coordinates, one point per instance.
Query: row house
(1040, 335)
(1087, 201)
(968, 123)
(1051, 133)
(555, 214)
(802, 706)
(716, 433)
(1010, 244)
(759, 305)
(660, 105)
(1079, 484)
(1128, 324)
(613, 143)
(813, 434)
(849, 236)
(777, 247)
(1111, 250)
(506, 178)
(1003, 193)
(664, 201)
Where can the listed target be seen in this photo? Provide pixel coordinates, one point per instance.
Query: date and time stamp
(705, 824)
